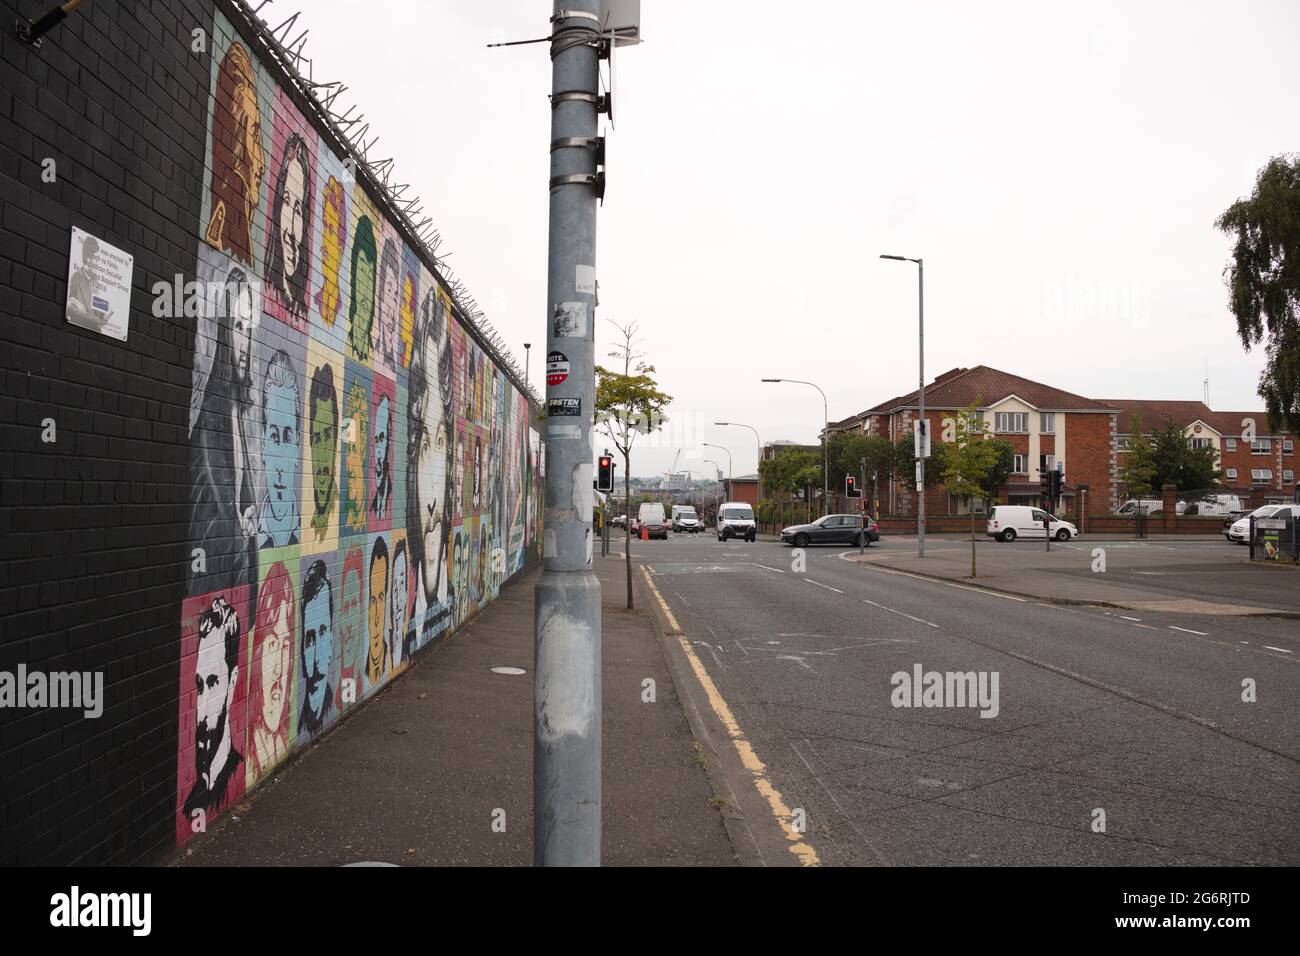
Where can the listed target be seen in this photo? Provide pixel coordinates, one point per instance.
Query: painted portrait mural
(362, 476)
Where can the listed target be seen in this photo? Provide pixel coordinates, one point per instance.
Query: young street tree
(628, 403)
(1264, 282)
(975, 465)
(1139, 462)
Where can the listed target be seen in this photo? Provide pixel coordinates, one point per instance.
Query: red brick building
(1258, 465)
(1045, 425)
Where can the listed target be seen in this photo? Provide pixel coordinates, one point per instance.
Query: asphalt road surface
(1137, 717)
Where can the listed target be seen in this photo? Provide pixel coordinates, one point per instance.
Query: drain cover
(512, 671)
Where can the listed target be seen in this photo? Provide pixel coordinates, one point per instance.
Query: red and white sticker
(557, 368)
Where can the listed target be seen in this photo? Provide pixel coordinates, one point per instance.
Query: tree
(848, 450)
(1263, 280)
(628, 403)
(1139, 461)
(790, 469)
(974, 465)
(1177, 462)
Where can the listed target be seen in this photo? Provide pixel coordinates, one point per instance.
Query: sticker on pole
(584, 280)
(563, 407)
(570, 320)
(557, 368)
(556, 432)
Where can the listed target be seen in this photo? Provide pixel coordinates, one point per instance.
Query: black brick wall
(92, 527)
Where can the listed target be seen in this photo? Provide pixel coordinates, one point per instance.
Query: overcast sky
(1059, 171)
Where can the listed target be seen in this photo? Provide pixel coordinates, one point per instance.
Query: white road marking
(1272, 648)
(794, 657)
(900, 613)
(1125, 617)
(826, 586)
(766, 568)
(1188, 630)
(1147, 627)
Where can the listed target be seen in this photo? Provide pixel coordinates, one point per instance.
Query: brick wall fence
(211, 469)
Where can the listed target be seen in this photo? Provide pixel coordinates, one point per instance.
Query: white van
(736, 520)
(1008, 522)
(1216, 505)
(685, 519)
(650, 517)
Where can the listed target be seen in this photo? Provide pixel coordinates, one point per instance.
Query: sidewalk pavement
(1144, 578)
(414, 776)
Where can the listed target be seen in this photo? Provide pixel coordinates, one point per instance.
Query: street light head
(771, 380)
(722, 423)
(899, 258)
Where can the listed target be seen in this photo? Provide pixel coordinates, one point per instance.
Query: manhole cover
(512, 671)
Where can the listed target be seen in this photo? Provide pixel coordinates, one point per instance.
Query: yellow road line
(806, 855)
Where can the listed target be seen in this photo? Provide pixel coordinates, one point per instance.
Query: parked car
(1130, 507)
(1008, 522)
(650, 516)
(831, 529)
(736, 520)
(1239, 531)
(685, 519)
(618, 521)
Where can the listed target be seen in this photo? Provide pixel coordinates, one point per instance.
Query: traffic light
(851, 487)
(1045, 488)
(605, 473)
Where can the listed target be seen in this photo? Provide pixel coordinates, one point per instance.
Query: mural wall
(363, 476)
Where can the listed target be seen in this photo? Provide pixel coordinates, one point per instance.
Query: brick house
(1258, 464)
(1045, 425)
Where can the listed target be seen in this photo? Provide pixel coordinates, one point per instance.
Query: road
(1139, 717)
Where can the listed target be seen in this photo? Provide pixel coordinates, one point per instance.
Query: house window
(1261, 446)
(1231, 443)
(1012, 422)
(1047, 423)
(1287, 447)
(1020, 465)
(1046, 463)
(1200, 443)
(1261, 474)
(1231, 474)
(1288, 476)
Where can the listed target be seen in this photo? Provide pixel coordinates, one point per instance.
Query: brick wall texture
(246, 492)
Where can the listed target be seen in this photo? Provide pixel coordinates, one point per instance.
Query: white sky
(1059, 170)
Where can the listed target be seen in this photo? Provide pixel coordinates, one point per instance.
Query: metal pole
(566, 680)
(920, 514)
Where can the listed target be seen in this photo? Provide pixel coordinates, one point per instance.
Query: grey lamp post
(717, 470)
(826, 424)
(758, 442)
(920, 491)
(729, 476)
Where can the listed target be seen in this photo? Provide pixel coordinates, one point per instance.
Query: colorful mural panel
(363, 476)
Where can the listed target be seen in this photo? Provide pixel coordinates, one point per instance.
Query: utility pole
(566, 679)
(920, 463)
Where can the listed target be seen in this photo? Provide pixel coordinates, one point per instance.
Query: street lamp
(758, 441)
(728, 463)
(717, 470)
(826, 426)
(527, 346)
(920, 492)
